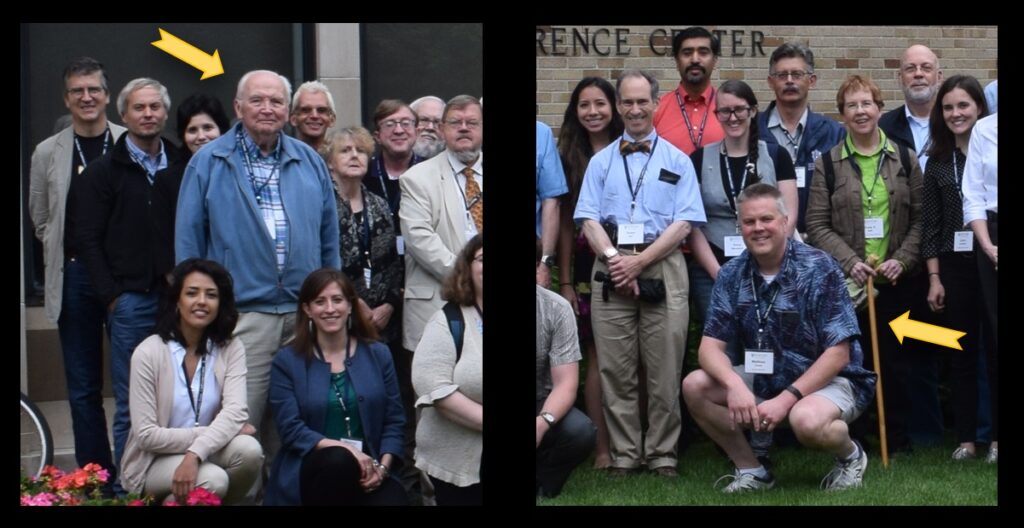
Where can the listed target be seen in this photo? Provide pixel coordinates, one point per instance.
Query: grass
(926, 477)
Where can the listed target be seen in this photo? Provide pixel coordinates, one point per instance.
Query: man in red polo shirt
(684, 114)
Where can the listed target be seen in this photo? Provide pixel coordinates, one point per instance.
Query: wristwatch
(609, 253)
(548, 260)
(548, 417)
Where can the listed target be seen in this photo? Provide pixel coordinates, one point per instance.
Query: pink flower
(202, 497)
(41, 499)
(136, 502)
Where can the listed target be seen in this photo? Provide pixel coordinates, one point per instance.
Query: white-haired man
(312, 113)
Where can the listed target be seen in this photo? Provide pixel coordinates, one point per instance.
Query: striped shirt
(265, 176)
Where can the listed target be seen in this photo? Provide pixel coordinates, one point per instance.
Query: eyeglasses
(741, 112)
(425, 122)
(912, 68)
(796, 75)
(391, 123)
(94, 91)
(867, 105)
(309, 110)
(462, 123)
(276, 103)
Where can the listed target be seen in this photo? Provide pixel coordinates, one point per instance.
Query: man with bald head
(262, 204)
(920, 77)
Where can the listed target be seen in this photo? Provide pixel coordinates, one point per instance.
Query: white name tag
(759, 361)
(873, 227)
(631, 234)
(734, 246)
(963, 241)
(367, 275)
(358, 444)
(400, 242)
(801, 177)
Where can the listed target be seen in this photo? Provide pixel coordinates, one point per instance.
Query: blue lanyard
(248, 166)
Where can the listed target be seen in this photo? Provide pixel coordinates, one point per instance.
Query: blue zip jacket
(820, 135)
(218, 219)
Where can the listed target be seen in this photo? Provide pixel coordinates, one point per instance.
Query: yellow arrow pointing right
(210, 65)
(904, 326)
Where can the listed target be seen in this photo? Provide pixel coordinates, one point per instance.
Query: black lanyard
(878, 172)
(762, 320)
(689, 126)
(958, 177)
(732, 193)
(364, 234)
(81, 154)
(636, 190)
(381, 173)
(337, 393)
(248, 166)
(795, 143)
(197, 402)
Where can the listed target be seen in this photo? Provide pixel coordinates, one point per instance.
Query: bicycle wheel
(36, 441)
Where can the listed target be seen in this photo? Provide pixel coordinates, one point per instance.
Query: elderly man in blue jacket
(260, 203)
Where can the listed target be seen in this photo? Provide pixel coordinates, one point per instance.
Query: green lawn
(926, 477)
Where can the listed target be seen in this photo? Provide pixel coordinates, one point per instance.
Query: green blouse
(336, 413)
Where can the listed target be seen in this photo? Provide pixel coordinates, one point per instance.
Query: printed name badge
(801, 177)
(734, 246)
(367, 274)
(400, 242)
(873, 227)
(963, 241)
(358, 444)
(631, 234)
(759, 361)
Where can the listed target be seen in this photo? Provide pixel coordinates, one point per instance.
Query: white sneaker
(993, 455)
(743, 482)
(962, 453)
(847, 474)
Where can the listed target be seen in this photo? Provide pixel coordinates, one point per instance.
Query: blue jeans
(131, 321)
(81, 340)
(700, 291)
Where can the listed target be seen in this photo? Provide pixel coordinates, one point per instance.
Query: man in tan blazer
(71, 301)
(442, 208)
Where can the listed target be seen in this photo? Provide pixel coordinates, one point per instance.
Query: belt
(636, 248)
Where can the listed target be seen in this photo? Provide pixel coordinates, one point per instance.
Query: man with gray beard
(429, 142)
(920, 77)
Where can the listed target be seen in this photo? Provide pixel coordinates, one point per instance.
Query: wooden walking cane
(878, 365)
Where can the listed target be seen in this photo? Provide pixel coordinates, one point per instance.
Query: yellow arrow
(191, 55)
(904, 326)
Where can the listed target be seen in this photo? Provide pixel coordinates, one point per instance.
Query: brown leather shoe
(666, 471)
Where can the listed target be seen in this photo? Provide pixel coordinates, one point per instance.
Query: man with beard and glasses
(921, 78)
(429, 142)
(684, 114)
(803, 133)
(71, 300)
(114, 227)
(312, 113)
(638, 202)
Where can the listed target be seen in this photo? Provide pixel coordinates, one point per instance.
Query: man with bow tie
(638, 202)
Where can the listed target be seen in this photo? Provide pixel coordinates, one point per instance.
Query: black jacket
(115, 221)
(896, 127)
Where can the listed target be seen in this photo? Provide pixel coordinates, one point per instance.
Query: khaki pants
(626, 331)
(229, 472)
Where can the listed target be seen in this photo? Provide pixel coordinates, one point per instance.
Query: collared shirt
(782, 136)
(550, 177)
(811, 313)
(874, 196)
(478, 177)
(557, 340)
(919, 127)
(669, 122)
(266, 186)
(182, 414)
(667, 194)
(151, 164)
(981, 174)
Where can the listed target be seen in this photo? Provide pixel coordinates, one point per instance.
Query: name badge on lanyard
(367, 275)
(734, 246)
(759, 361)
(400, 244)
(873, 227)
(963, 241)
(801, 177)
(631, 234)
(358, 444)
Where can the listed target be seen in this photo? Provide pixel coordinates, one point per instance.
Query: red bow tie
(626, 147)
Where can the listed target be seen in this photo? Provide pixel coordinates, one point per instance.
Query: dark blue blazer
(896, 127)
(298, 399)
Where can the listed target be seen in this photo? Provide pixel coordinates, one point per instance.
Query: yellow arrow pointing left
(210, 65)
(904, 326)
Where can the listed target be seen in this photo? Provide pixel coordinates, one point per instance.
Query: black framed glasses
(78, 93)
(392, 123)
(741, 112)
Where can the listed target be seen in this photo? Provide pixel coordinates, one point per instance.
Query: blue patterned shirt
(811, 313)
(265, 177)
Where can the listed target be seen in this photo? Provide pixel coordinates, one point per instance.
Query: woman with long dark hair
(946, 245)
(589, 125)
(335, 399)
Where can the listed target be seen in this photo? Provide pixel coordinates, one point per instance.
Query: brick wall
(838, 51)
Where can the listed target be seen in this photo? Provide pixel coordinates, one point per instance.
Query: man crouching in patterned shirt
(788, 303)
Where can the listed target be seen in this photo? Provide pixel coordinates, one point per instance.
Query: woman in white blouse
(187, 395)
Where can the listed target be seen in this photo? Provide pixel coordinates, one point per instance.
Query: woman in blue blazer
(335, 399)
